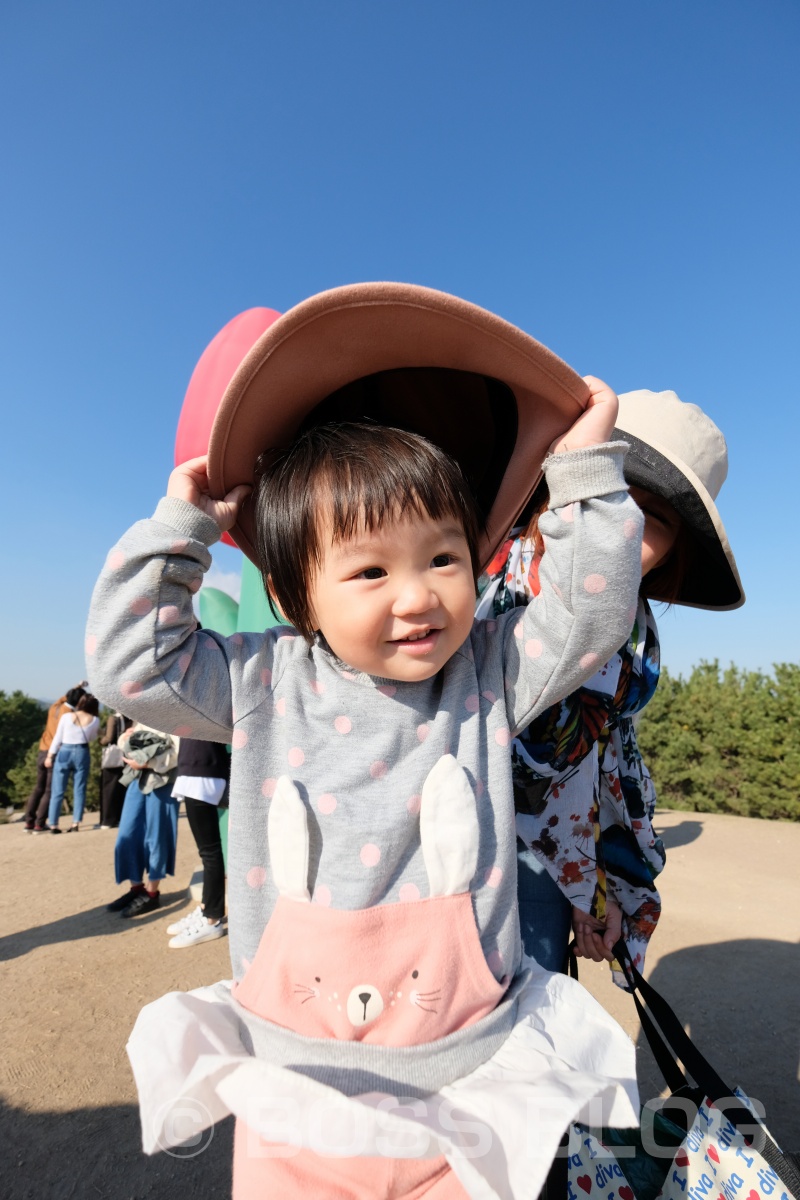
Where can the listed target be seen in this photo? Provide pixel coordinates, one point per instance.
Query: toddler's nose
(415, 597)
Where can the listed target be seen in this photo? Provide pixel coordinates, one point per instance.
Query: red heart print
(712, 1153)
(682, 1159)
(585, 1182)
(754, 1195)
(626, 1193)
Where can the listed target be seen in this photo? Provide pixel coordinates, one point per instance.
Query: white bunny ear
(287, 834)
(448, 826)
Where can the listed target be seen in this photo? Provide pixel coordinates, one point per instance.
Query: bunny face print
(396, 974)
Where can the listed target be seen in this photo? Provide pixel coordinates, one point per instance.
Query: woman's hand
(48, 762)
(189, 482)
(595, 423)
(132, 763)
(595, 939)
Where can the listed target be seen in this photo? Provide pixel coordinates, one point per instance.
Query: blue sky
(619, 179)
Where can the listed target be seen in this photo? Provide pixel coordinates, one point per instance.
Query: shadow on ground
(680, 835)
(95, 922)
(96, 1152)
(727, 996)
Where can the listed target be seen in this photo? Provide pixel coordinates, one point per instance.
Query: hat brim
(315, 351)
(712, 578)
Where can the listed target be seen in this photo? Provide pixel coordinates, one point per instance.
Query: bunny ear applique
(448, 823)
(287, 834)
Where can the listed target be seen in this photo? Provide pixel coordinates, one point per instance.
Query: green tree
(726, 741)
(21, 720)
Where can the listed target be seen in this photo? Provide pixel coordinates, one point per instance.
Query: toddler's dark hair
(368, 474)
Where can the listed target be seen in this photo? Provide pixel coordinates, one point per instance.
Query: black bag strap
(671, 1041)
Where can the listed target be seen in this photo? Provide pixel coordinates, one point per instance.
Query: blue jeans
(147, 834)
(69, 760)
(545, 914)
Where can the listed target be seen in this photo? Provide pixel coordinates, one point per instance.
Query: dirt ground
(74, 977)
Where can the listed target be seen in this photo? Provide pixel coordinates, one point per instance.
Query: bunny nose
(364, 1004)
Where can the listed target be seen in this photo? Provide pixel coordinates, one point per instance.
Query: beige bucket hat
(398, 354)
(679, 453)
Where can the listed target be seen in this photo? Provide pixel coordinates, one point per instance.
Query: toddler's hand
(595, 939)
(189, 482)
(595, 423)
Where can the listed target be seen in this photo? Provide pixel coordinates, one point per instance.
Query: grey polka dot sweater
(358, 748)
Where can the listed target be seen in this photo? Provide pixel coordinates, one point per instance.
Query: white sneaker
(185, 922)
(201, 931)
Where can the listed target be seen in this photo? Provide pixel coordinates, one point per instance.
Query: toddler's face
(661, 527)
(398, 601)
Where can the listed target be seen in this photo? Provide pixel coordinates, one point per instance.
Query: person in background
(203, 773)
(39, 799)
(148, 828)
(70, 754)
(112, 792)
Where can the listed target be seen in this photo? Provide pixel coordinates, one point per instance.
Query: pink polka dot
(422, 732)
(322, 895)
(589, 660)
(184, 731)
(268, 788)
(195, 584)
(256, 877)
(115, 560)
(342, 724)
(296, 757)
(370, 855)
(130, 688)
(493, 877)
(141, 606)
(237, 639)
(480, 787)
(378, 769)
(490, 696)
(595, 584)
(266, 677)
(502, 737)
(317, 687)
(280, 706)
(169, 614)
(414, 804)
(185, 661)
(326, 803)
(348, 675)
(491, 626)
(534, 648)
(567, 513)
(239, 739)
(557, 590)
(630, 528)
(494, 962)
(472, 702)
(91, 644)
(387, 689)
(178, 546)
(631, 615)
(518, 630)
(409, 892)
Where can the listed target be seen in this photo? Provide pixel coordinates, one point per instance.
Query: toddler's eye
(371, 573)
(442, 560)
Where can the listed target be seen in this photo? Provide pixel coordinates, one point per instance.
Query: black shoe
(143, 903)
(124, 901)
(55, 829)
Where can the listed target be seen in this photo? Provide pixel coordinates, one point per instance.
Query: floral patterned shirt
(583, 796)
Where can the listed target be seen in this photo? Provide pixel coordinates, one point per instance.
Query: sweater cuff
(185, 518)
(585, 474)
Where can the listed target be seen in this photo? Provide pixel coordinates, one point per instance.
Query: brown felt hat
(410, 357)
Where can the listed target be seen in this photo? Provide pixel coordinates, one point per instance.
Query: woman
(112, 792)
(148, 828)
(70, 753)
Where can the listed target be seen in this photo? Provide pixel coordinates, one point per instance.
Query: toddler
(372, 882)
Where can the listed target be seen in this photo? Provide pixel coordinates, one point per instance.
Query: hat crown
(687, 435)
